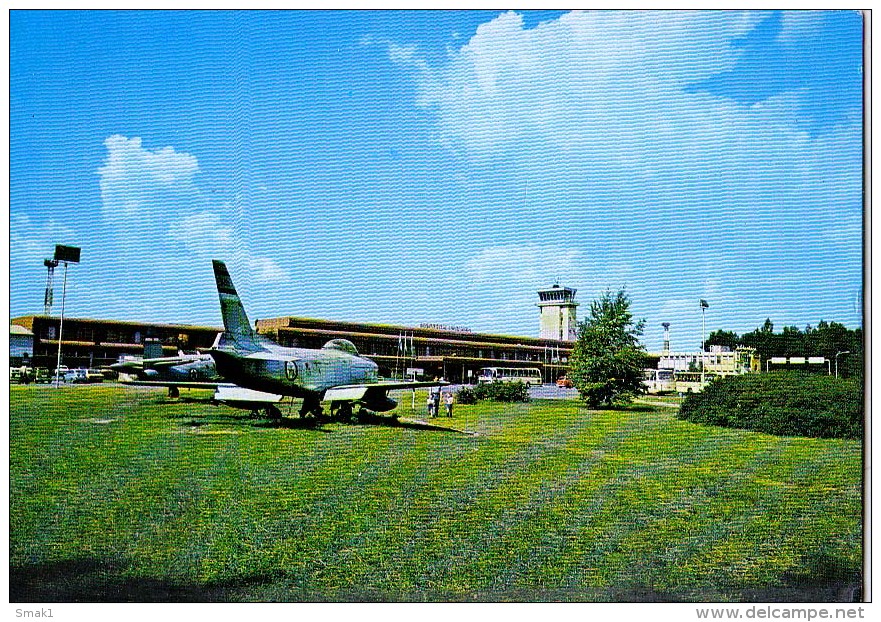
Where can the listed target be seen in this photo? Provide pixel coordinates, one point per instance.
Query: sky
(440, 166)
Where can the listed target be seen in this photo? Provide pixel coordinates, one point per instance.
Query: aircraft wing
(128, 365)
(179, 385)
(174, 362)
(225, 392)
(357, 391)
(233, 394)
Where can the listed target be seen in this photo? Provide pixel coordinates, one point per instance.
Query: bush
(495, 391)
(466, 395)
(782, 403)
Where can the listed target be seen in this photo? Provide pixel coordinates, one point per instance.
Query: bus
(658, 381)
(692, 381)
(528, 375)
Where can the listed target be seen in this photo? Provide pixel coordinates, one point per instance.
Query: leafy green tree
(724, 338)
(607, 359)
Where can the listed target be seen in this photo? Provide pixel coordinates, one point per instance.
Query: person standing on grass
(429, 403)
(435, 395)
(448, 401)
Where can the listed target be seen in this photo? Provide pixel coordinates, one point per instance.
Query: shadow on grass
(821, 578)
(96, 580)
(295, 422)
(285, 423)
(632, 408)
(93, 580)
(393, 422)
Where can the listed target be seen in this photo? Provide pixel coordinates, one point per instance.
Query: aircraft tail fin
(236, 326)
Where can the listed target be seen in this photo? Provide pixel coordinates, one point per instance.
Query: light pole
(704, 307)
(836, 360)
(66, 255)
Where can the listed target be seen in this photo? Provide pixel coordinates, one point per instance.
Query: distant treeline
(825, 339)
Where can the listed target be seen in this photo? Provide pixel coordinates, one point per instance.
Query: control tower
(557, 306)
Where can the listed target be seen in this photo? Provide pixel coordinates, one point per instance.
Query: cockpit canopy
(343, 345)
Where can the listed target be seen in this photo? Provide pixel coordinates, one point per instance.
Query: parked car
(94, 375)
(22, 374)
(75, 376)
(564, 383)
(42, 375)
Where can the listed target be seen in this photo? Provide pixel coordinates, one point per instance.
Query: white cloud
(150, 198)
(580, 79)
(799, 27)
(403, 54)
(207, 236)
(129, 161)
(141, 187)
(204, 233)
(265, 270)
(603, 103)
(601, 110)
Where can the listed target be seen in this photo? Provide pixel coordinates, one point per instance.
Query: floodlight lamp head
(67, 254)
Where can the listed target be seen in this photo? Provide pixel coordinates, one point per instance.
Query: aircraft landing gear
(311, 405)
(341, 410)
(273, 412)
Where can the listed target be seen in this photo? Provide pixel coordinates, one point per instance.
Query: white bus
(658, 381)
(528, 375)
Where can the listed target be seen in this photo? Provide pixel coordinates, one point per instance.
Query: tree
(826, 339)
(607, 359)
(724, 338)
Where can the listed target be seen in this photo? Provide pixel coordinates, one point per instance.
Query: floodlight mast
(65, 255)
(47, 297)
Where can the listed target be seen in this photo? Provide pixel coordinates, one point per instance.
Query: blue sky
(424, 166)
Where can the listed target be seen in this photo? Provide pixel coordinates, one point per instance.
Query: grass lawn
(118, 494)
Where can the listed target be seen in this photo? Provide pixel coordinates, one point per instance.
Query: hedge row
(782, 403)
(496, 391)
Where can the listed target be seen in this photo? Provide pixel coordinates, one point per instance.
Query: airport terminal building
(427, 351)
(448, 352)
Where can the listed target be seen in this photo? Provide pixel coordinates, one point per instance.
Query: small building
(21, 345)
(719, 360)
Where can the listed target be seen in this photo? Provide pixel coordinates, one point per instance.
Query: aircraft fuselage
(297, 372)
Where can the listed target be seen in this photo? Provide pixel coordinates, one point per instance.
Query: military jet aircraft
(193, 371)
(334, 373)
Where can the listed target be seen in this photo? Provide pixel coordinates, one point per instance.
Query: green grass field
(117, 494)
